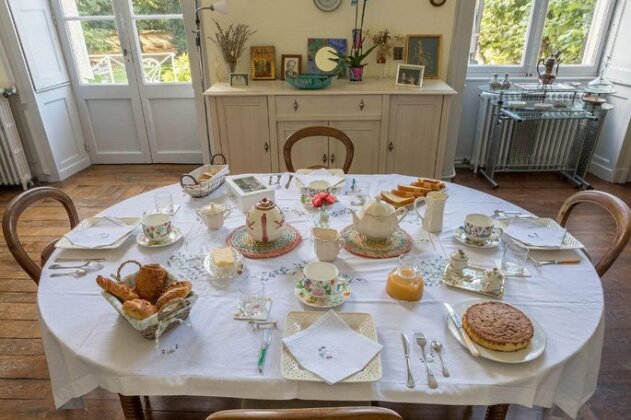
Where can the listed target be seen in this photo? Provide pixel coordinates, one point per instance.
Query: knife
(406, 350)
(291, 176)
(456, 320)
(80, 259)
(267, 340)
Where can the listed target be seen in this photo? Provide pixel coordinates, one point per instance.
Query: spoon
(88, 266)
(77, 273)
(437, 346)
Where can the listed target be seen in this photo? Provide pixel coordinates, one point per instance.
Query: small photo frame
(424, 50)
(290, 63)
(239, 79)
(410, 75)
(263, 63)
(397, 53)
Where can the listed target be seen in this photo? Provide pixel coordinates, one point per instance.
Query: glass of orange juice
(405, 282)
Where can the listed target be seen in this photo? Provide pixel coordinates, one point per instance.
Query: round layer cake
(498, 326)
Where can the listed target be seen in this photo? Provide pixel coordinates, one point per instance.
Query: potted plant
(354, 61)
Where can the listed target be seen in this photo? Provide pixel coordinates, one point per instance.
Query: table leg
(496, 412)
(132, 407)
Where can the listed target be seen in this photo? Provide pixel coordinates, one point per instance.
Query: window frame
(534, 34)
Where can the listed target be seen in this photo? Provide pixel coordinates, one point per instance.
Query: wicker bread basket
(169, 316)
(192, 186)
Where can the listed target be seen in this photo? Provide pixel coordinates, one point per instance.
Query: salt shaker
(492, 279)
(459, 261)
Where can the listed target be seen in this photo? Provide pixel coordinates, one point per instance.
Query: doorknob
(390, 146)
(296, 105)
(266, 147)
(125, 52)
(332, 157)
(324, 158)
(362, 105)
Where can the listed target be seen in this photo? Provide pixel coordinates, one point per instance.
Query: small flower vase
(231, 67)
(356, 74)
(357, 39)
(321, 219)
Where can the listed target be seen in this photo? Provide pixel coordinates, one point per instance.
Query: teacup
(478, 227)
(321, 280)
(156, 226)
(327, 243)
(213, 215)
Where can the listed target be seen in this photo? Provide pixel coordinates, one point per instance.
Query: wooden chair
(620, 212)
(322, 413)
(318, 131)
(10, 222)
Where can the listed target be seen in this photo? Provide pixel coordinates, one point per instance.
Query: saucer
(492, 242)
(173, 236)
(335, 300)
(223, 274)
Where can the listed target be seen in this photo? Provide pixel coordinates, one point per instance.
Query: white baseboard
(72, 169)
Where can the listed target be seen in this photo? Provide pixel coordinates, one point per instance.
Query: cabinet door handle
(332, 157)
(362, 105)
(295, 106)
(324, 158)
(390, 146)
(266, 147)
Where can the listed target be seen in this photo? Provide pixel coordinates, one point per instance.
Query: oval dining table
(89, 345)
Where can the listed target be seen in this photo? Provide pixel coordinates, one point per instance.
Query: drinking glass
(164, 202)
(253, 297)
(514, 258)
(360, 193)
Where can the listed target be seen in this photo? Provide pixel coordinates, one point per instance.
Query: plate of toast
(405, 194)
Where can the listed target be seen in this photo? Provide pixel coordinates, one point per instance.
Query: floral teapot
(378, 220)
(265, 221)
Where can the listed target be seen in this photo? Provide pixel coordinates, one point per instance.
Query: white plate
(173, 236)
(344, 292)
(64, 243)
(534, 349)
(334, 172)
(361, 323)
(569, 241)
(219, 274)
(494, 241)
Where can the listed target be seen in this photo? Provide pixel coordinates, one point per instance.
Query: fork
(421, 341)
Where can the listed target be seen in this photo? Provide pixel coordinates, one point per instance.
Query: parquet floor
(25, 390)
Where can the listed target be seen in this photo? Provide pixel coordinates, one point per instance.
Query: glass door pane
(73, 8)
(157, 7)
(163, 50)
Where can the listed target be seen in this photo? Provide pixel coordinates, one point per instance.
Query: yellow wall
(286, 24)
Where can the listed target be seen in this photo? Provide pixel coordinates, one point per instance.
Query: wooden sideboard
(394, 129)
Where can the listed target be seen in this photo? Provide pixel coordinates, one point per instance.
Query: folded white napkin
(331, 349)
(104, 232)
(555, 255)
(530, 233)
(319, 175)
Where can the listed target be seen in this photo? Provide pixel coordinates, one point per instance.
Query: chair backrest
(12, 214)
(620, 212)
(360, 413)
(319, 131)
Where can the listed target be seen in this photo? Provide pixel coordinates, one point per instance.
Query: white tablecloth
(89, 345)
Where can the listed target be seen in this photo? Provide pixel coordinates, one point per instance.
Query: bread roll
(150, 282)
(175, 285)
(120, 290)
(139, 308)
(171, 294)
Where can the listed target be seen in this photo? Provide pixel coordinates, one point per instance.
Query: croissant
(176, 285)
(139, 308)
(150, 282)
(120, 290)
(172, 294)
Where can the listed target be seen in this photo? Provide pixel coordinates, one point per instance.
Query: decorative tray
(471, 280)
(64, 243)
(361, 323)
(569, 241)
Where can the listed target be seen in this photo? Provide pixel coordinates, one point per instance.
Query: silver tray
(471, 280)
(569, 241)
(64, 243)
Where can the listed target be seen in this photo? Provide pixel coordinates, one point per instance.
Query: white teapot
(378, 220)
(265, 221)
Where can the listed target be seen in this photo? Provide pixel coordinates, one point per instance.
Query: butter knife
(267, 340)
(406, 351)
(79, 259)
(291, 176)
(456, 320)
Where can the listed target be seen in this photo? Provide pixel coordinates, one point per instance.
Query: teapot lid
(378, 208)
(265, 204)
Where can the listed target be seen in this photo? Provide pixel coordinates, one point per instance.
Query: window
(512, 35)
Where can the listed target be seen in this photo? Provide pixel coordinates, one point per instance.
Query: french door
(131, 75)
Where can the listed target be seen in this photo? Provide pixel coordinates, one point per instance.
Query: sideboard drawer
(328, 106)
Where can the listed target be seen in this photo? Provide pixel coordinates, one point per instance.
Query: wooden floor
(25, 390)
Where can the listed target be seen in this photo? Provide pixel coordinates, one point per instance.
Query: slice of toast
(418, 191)
(395, 200)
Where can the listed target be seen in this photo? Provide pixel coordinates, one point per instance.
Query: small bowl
(225, 273)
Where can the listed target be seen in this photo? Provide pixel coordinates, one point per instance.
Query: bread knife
(456, 320)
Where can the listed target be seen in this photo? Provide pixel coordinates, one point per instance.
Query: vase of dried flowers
(231, 42)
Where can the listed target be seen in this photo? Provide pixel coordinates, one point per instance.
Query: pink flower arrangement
(322, 199)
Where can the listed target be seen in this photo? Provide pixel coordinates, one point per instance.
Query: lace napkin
(319, 175)
(533, 234)
(330, 349)
(104, 232)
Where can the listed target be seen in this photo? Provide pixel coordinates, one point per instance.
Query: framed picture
(238, 79)
(424, 50)
(263, 63)
(410, 75)
(319, 54)
(290, 63)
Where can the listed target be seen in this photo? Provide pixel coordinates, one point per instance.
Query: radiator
(552, 144)
(14, 168)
